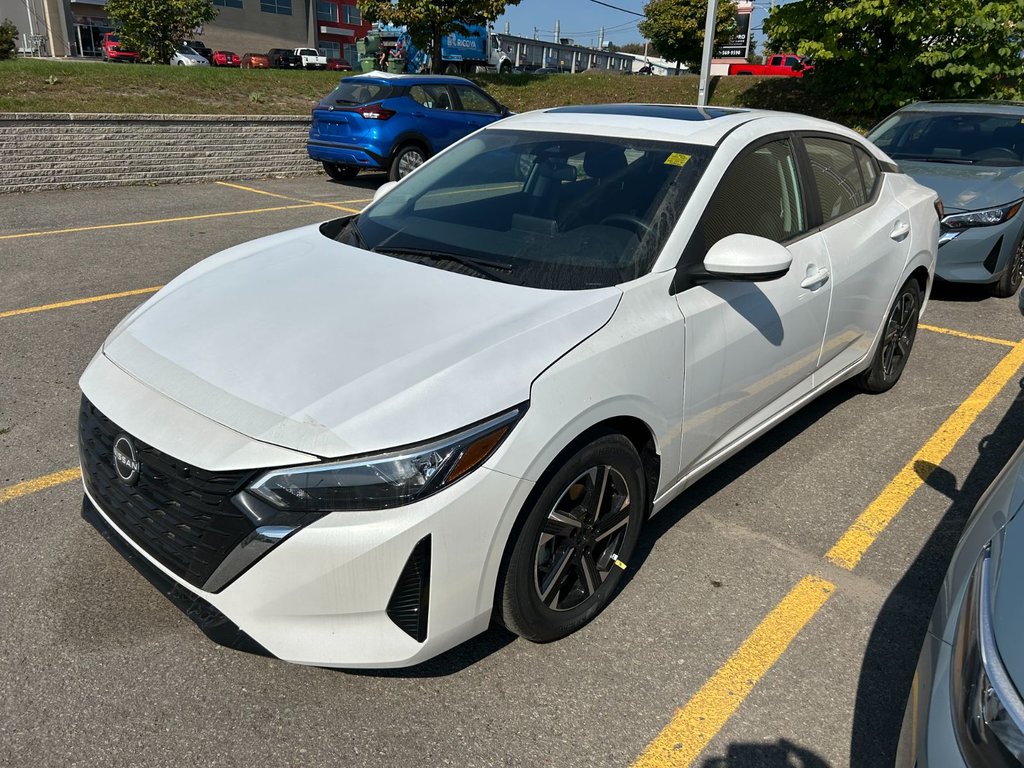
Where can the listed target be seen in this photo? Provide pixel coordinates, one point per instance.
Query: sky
(581, 19)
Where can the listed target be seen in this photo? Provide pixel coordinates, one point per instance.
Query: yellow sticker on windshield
(677, 158)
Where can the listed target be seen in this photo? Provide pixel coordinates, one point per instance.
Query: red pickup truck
(112, 50)
(778, 64)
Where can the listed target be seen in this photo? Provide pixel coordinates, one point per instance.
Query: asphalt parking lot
(773, 616)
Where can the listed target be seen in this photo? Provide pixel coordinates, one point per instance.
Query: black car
(201, 48)
(282, 58)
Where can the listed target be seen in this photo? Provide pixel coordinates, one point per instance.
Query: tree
(676, 28)
(8, 38)
(428, 22)
(871, 57)
(156, 28)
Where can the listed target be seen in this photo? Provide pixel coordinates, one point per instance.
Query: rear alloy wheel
(341, 172)
(897, 341)
(407, 159)
(1008, 284)
(569, 557)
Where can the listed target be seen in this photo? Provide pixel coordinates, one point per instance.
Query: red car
(112, 50)
(225, 59)
(255, 61)
(338, 65)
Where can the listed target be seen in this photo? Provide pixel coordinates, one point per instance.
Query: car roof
(662, 122)
(967, 106)
(409, 79)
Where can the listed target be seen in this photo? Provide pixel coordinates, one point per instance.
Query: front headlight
(988, 712)
(988, 217)
(385, 480)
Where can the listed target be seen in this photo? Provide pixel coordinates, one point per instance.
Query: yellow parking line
(962, 335)
(173, 220)
(286, 197)
(851, 547)
(694, 725)
(76, 302)
(38, 484)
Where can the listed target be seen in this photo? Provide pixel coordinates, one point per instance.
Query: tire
(504, 68)
(341, 172)
(561, 572)
(407, 159)
(1011, 278)
(897, 341)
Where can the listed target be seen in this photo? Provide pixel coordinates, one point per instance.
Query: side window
(775, 61)
(759, 195)
(431, 96)
(869, 170)
(836, 172)
(474, 101)
(792, 62)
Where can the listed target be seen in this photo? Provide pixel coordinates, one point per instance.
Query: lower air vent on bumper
(411, 596)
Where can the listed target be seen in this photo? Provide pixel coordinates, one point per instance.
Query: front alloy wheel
(575, 543)
(1011, 279)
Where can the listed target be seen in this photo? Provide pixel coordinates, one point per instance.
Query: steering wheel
(995, 153)
(641, 226)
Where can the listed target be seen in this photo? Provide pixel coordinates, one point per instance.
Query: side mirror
(383, 189)
(505, 111)
(747, 257)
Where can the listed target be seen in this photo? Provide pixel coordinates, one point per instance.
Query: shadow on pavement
(781, 754)
(895, 641)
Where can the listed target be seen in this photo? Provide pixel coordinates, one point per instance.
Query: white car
(186, 57)
(355, 444)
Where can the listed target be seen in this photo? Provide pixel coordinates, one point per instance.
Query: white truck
(311, 58)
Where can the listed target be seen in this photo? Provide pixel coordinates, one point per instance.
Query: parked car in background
(201, 48)
(489, 371)
(311, 58)
(112, 50)
(776, 65)
(283, 58)
(255, 61)
(338, 65)
(225, 59)
(972, 154)
(186, 57)
(394, 123)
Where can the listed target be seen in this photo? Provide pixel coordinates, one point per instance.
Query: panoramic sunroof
(670, 111)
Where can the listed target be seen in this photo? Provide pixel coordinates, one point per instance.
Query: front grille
(179, 514)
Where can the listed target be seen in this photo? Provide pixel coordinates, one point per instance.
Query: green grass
(47, 86)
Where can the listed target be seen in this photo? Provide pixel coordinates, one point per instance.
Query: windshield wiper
(487, 268)
(351, 231)
(934, 159)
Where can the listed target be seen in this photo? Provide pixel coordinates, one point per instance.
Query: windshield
(953, 137)
(537, 209)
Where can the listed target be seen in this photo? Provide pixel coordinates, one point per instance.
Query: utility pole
(709, 47)
(600, 39)
(558, 29)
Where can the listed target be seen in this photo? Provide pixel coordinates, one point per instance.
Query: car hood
(300, 341)
(1007, 611)
(968, 187)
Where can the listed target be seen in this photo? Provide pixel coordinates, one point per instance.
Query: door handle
(419, 114)
(900, 231)
(818, 278)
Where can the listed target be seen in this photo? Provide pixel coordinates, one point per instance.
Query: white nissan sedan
(356, 444)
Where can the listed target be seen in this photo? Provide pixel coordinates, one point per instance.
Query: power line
(617, 8)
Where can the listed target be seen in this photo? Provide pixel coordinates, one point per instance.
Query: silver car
(972, 154)
(965, 708)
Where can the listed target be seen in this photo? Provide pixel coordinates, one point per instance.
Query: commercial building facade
(74, 28)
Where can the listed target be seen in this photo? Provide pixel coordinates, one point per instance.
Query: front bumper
(979, 254)
(927, 739)
(322, 596)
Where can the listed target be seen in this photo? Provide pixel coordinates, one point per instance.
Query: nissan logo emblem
(125, 462)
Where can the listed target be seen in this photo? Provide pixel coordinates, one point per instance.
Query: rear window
(350, 92)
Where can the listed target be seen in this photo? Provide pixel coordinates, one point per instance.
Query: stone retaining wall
(54, 151)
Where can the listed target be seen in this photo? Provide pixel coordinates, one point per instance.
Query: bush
(8, 36)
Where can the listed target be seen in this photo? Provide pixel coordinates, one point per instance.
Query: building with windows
(75, 27)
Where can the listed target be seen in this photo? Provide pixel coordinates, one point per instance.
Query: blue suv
(395, 122)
